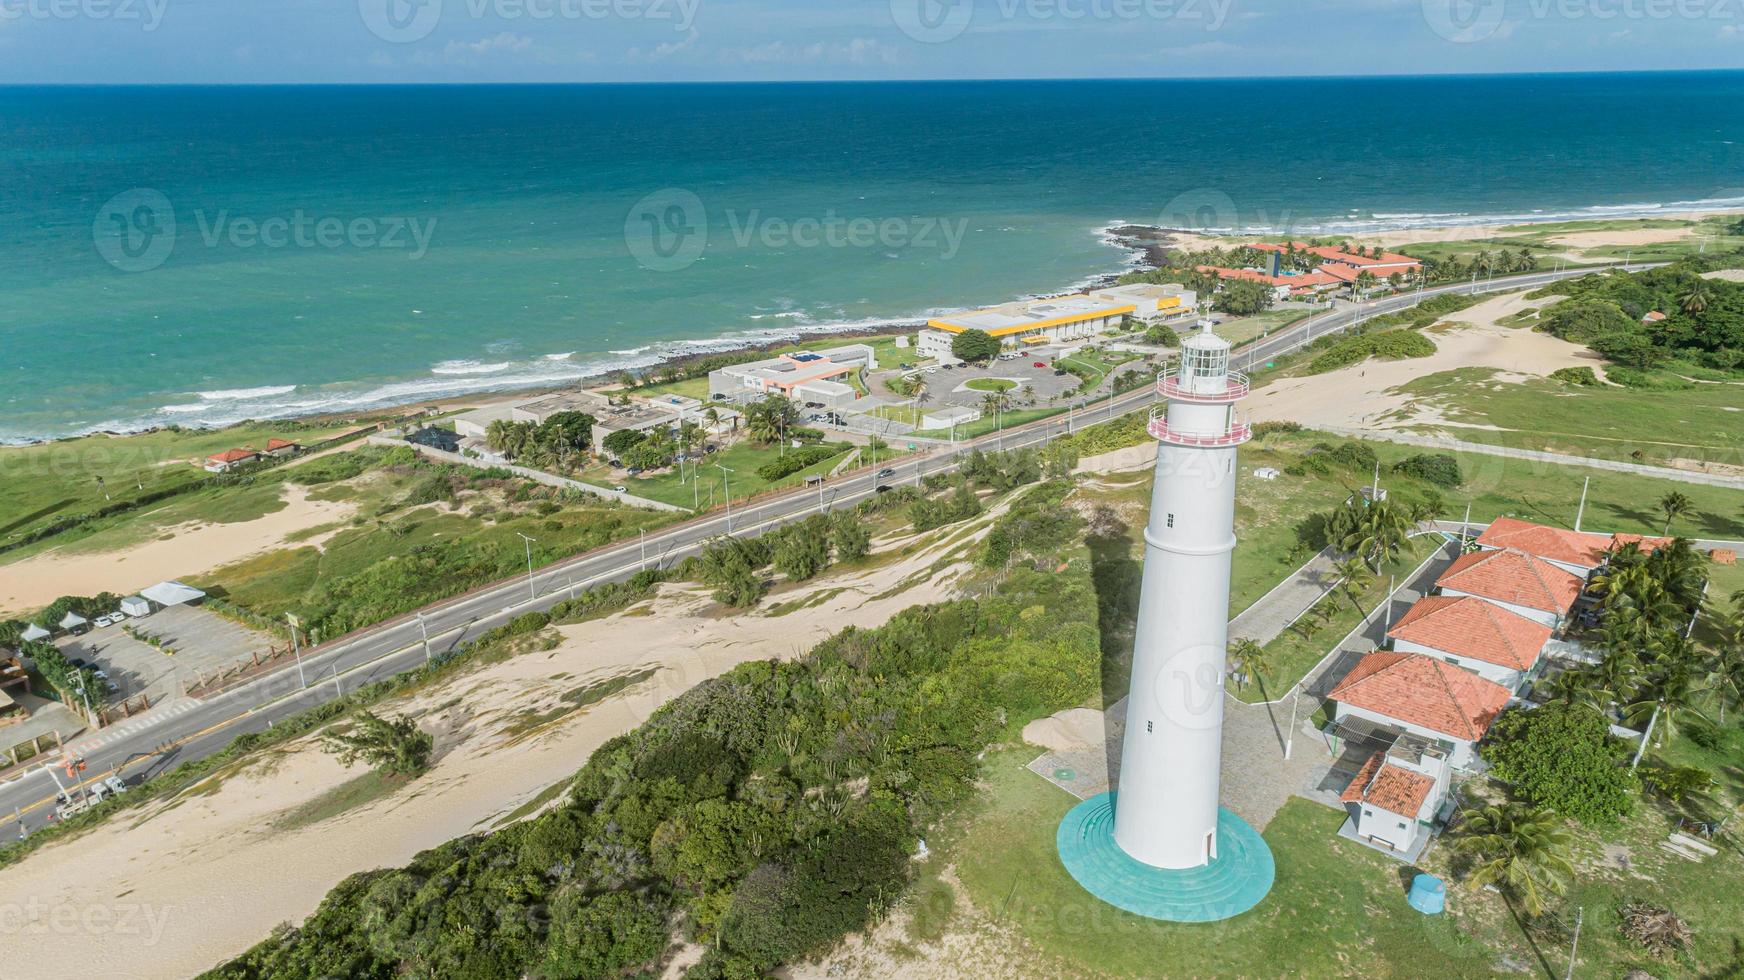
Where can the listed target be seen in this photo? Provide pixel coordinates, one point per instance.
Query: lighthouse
(1171, 756)
(1159, 845)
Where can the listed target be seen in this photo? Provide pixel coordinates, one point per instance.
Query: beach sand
(196, 864)
(1365, 395)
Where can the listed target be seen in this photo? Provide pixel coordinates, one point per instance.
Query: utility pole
(643, 536)
(1646, 736)
(1574, 947)
(727, 487)
(297, 649)
(1582, 512)
(526, 542)
(1290, 733)
(422, 628)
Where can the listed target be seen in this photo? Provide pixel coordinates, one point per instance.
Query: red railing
(1169, 385)
(1235, 435)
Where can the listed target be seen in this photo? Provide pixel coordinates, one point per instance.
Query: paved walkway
(537, 476)
(1559, 459)
(1273, 612)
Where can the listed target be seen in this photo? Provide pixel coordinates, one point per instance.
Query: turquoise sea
(203, 255)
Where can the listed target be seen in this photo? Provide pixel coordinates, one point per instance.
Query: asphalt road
(193, 729)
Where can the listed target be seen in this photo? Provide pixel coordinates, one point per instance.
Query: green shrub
(1390, 345)
(794, 460)
(1582, 377)
(1564, 757)
(1647, 381)
(1440, 469)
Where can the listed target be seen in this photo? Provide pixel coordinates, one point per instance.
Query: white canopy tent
(73, 621)
(172, 594)
(33, 633)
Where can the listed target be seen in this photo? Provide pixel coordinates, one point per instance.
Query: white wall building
(1393, 799)
(1421, 696)
(1170, 304)
(1516, 581)
(1480, 636)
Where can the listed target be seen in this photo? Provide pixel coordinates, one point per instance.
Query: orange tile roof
(1332, 253)
(1554, 543)
(272, 444)
(1423, 691)
(1654, 317)
(1302, 281)
(1515, 577)
(233, 455)
(1473, 628)
(1642, 541)
(1392, 788)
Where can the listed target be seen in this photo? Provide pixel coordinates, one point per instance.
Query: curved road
(191, 729)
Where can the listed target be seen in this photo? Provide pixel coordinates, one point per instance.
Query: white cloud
(504, 43)
(856, 51)
(663, 51)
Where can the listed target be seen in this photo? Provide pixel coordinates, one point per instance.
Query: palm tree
(1695, 299)
(1521, 849)
(1674, 505)
(1572, 687)
(1671, 694)
(1381, 534)
(1248, 659)
(1617, 675)
(1351, 570)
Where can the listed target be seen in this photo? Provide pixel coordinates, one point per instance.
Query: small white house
(1480, 636)
(1393, 799)
(136, 606)
(1425, 697)
(945, 418)
(1515, 581)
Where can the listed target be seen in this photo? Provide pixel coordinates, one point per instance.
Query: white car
(115, 784)
(103, 621)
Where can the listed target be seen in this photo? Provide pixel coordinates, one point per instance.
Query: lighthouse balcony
(1173, 387)
(1233, 434)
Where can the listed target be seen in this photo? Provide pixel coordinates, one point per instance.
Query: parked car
(620, 488)
(1041, 364)
(115, 783)
(932, 370)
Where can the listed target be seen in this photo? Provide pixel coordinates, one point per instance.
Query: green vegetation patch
(1389, 345)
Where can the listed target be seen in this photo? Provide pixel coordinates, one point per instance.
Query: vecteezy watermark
(407, 21)
(39, 919)
(137, 231)
(147, 13)
(304, 230)
(1467, 21)
(669, 229)
(1208, 211)
(937, 21)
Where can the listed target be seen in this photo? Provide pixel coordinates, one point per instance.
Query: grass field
(1336, 910)
(1243, 329)
(708, 486)
(52, 481)
(991, 384)
(1703, 422)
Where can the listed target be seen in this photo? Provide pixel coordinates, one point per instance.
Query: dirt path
(185, 550)
(216, 877)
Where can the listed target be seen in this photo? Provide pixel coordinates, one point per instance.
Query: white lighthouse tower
(1166, 812)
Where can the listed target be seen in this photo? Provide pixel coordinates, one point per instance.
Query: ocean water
(203, 255)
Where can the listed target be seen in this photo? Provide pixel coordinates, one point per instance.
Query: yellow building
(1026, 323)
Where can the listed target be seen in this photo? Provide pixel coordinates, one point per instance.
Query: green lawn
(1243, 329)
(1704, 421)
(707, 486)
(1336, 910)
(52, 481)
(991, 384)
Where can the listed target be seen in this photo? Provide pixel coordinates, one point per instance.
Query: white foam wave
(469, 367)
(240, 394)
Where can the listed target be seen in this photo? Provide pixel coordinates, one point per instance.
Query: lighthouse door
(1211, 847)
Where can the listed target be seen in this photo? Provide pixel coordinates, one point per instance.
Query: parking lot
(202, 641)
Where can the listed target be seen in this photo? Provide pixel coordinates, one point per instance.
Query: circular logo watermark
(1188, 687)
(400, 21)
(135, 231)
(932, 21)
(667, 230)
(1202, 210)
(1464, 21)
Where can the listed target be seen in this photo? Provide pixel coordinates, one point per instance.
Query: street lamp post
(297, 649)
(727, 488)
(532, 591)
(425, 629)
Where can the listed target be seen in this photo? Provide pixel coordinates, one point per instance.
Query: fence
(31, 748)
(218, 679)
(109, 714)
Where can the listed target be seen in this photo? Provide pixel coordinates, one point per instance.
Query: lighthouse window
(1171, 520)
(1150, 726)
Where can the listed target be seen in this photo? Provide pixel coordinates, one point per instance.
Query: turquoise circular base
(1235, 882)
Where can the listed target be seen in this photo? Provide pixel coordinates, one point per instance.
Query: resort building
(1152, 304)
(1480, 636)
(1577, 552)
(638, 417)
(1383, 266)
(1284, 285)
(1029, 322)
(230, 459)
(1420, 696)
(804, 376)
(539, 409)
(1395, 796)
(1515, 581)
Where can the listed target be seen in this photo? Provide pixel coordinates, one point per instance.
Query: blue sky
(242, 41)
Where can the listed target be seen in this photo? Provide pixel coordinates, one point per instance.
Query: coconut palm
(1674, 505)
(1573, 687)
(1248, 659)
(1695, 298)
(1351, 571)
(1669, 697)
(1381, 534)
(1521, 849)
